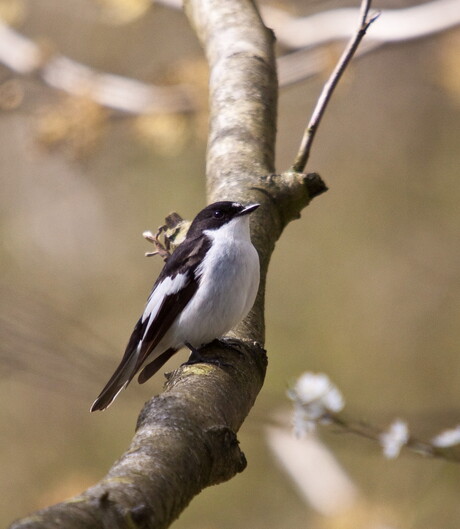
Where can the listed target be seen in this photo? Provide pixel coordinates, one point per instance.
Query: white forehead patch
(236, 204)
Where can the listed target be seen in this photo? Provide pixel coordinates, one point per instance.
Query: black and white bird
(206, 287)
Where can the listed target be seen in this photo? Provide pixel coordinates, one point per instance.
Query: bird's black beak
(248, 209)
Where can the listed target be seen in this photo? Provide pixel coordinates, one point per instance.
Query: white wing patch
(167, 287)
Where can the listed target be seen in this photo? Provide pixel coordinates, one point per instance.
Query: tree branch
(185, 438)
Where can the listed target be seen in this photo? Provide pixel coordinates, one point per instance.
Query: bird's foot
(197, 358)
(231, 343)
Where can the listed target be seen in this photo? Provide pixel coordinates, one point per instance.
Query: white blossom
(394, 438)
(447, 438)
(314, 396)
(316, 388)
(302, 421)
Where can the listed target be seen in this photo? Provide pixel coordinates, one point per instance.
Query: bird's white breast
(229, 279)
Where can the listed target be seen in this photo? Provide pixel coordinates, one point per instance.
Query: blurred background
(364, 287)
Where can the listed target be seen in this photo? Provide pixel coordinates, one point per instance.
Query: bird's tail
(118, 381)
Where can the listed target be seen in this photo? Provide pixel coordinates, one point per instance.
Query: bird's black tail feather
(118, 381)
(150, 369)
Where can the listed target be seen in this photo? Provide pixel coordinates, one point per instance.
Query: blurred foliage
(12, 11)
(166, 133)
(74, 125)
(450, 66)
(364, 287)
(123, 11)
(11, 94)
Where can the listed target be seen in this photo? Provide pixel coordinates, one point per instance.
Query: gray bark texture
(185, 438)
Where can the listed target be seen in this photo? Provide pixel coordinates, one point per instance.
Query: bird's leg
(193, 350)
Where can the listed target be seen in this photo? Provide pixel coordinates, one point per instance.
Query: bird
(206, 287)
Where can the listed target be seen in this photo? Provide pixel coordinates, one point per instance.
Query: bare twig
(374, 433)
(161, 248)
(168, 236)
(310, 132)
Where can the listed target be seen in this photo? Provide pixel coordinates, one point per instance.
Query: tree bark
(185, 438)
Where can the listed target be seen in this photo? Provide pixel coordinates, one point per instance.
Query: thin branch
(374, 433)
(310, 132)
(307, 63)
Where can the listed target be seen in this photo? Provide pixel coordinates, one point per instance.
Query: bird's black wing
(182, 264)
(180, 270)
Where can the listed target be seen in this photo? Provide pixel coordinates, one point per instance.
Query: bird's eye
(218, 214)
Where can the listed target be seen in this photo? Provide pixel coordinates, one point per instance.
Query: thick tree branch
(243, 105)
(185, 438)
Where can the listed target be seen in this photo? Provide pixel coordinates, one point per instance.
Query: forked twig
(161, 249)
(168, 236)
(328, 89)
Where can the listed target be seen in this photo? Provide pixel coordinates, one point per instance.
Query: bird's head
(217, 215)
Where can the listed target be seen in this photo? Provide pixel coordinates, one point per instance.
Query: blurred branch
(321, 28)
(122, 94)
(395, 25)
(126, 95)
(321, 480)
(328, 89)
